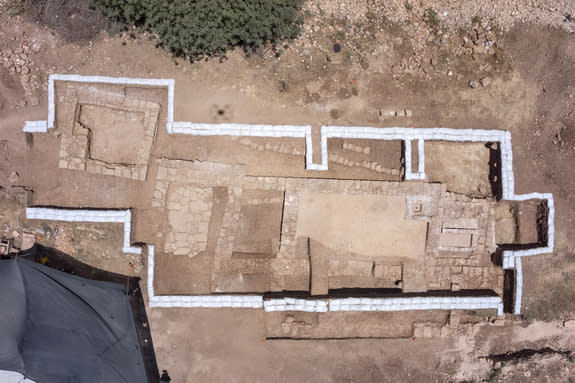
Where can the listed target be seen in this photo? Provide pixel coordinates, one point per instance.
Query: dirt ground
(392, 59)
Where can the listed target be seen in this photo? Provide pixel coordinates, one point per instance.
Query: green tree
(200, 28)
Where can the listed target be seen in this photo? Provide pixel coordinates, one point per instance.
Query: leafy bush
(209, 27)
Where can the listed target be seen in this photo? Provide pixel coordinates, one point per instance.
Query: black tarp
(58, 327)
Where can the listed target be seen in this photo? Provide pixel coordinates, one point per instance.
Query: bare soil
(381, 67)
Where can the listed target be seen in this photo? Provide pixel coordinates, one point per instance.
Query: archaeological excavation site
(356, 218)
(382, 192)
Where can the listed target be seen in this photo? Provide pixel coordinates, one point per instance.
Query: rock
(28, 240)
(569, 323)
(13, 177)
(480, 49)
(335, 59)
(25, 70)
(288, 323)
(499, 322)
(396, 69)
(485, 81)
(386, 113)
(15, 234)
(473, 84)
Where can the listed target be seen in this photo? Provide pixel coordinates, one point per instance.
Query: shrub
(209, 27)
(430, 17)
(75, 20)
(12, 7)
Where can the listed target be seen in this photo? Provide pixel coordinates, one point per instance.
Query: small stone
(473, 84)
(34, 101)
(499, 322)
(396, 69)
(569, 323)
(108, 171)
(408, 113)
(25, 70)
(13, 177)
(15, 234)
(450, 73)
(485, 81)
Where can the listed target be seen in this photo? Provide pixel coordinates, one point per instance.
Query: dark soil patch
(74, 19)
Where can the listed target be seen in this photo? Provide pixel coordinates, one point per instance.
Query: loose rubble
(19, 61)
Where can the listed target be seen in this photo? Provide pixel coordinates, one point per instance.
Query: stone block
(460, 240)
(108, 171)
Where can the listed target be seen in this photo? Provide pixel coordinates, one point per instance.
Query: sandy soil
(355, 223)
(384, 66)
